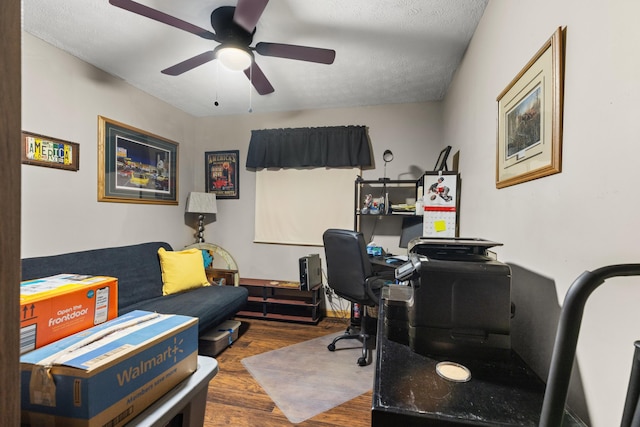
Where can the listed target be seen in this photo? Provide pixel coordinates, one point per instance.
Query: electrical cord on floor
(339, 306)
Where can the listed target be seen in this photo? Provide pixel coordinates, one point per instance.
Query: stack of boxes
(82, 366)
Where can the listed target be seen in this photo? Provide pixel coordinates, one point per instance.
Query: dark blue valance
(336, 146)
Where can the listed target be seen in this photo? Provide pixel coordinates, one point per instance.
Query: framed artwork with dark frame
(222, 173)
(55, 153)
(135, 166)
(441, 163)
(530, 117)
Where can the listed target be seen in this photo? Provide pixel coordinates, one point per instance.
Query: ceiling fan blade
(189, 64)
(248, 12)
(258, 79)
(156, 15)
(301, 53)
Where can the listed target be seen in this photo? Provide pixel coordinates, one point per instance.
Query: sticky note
(440, 225)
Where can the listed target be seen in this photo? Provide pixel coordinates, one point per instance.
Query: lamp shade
(201, 203)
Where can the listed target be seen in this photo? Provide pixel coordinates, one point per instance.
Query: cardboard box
(108, 374)
(219, 338)
(58, 306)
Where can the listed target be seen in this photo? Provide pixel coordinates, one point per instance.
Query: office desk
(407, 390)
(380, 264)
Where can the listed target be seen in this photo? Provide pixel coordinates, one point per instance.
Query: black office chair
(350, 275)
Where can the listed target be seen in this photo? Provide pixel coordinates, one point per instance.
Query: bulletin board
(441, 198)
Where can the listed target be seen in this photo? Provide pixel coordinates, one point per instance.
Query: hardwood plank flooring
(235, 399)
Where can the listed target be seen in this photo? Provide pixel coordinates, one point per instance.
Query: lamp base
(200, 234)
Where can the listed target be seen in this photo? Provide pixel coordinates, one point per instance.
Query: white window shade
(295, 206)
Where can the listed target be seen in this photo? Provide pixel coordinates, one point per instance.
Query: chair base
(359, 334)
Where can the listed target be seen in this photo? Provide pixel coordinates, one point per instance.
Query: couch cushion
(136, 266)
(211, 304)
(182, 270)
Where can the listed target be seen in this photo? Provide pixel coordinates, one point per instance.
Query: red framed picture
(222, 173)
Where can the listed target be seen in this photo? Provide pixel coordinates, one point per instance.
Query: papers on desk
(403, 209)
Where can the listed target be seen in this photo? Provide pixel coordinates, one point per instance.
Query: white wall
(411, 131)
(587, 216)
(62, 98)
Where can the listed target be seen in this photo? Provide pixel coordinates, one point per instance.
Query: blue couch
(137, 268)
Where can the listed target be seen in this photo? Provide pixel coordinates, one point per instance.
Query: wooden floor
(236, 399)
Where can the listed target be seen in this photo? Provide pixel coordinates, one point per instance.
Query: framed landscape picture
(222, 173)
(530, 118)
(135, 166)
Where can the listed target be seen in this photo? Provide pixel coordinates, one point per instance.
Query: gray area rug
(306, 379)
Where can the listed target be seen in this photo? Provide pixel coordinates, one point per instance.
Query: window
(304, 181)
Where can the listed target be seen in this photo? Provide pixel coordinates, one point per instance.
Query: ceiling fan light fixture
(234, 58)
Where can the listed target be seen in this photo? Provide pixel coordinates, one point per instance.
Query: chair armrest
(374, 284)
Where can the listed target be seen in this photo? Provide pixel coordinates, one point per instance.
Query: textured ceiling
(387, 51)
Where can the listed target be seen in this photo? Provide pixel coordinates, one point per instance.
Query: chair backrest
(348, 264)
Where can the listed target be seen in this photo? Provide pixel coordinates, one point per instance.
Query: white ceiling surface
(387, 51)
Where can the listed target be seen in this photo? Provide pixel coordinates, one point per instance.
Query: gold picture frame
(135, 166)
(40, 150)
(530, 117)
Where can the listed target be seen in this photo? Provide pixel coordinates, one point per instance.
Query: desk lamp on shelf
(387, 156)
(201, 204)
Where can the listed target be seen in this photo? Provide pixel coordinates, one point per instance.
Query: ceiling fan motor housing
(227, 30)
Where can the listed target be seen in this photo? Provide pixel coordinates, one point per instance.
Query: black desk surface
(384, 263)
(408, 391)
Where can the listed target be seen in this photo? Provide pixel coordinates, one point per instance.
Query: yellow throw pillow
(182, 270)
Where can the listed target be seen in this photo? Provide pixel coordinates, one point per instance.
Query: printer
(457, 301)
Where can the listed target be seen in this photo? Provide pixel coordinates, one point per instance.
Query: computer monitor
(411, 228)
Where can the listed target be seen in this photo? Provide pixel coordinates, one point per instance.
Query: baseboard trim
(341, 314)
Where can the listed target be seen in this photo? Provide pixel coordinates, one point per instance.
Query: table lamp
(201, 204)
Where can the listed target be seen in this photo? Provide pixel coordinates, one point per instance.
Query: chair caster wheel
(362, 361)
(331, 347)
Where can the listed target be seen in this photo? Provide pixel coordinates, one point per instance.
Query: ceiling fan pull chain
(250, 88)
(217, 82)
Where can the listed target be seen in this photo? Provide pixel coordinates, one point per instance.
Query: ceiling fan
(234, 29)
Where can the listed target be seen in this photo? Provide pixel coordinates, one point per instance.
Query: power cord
(373, 229)
(338, 305)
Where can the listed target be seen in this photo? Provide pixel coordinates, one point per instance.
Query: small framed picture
(222, 173)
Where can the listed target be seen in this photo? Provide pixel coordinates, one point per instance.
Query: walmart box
(58, 306)
(108, 374)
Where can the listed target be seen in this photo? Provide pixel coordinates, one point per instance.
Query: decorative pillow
(181, 270)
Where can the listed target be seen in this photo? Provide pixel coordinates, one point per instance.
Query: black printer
(457, 301)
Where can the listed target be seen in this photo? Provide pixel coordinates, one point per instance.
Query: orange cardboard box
(58, 306)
